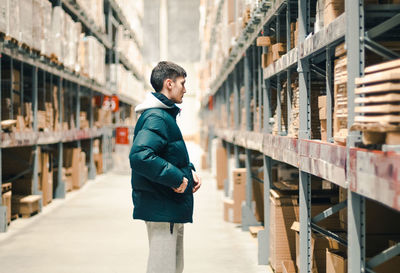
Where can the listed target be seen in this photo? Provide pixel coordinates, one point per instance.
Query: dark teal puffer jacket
(159, 161)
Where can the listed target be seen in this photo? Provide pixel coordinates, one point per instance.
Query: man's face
(176, 89)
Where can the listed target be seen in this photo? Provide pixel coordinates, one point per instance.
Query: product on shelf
(6, 196)
(340, 95)
(377, 102)
(332, 10)
(25, 205)
(322, 116)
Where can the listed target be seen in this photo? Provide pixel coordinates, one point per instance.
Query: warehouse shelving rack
(37, 71)
(364, 173)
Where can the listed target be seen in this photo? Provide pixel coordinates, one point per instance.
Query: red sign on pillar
(122, 135)
(111, 103)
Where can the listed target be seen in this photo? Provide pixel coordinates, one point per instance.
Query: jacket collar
(158, 100)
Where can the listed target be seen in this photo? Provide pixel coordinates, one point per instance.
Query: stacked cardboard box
(13, 28)
(25, 22)
(319, 246)
(333, 8)
(317, 88)
(336, 261)
(294, 115)
(91, 59)
(222, 166)
(57, 33)
(294, 34)
(283, 98)
(340, 95)
(97, 156)
(285, 211)
(377, 104)
(25, 205)
(46, 177)
(278, 50)
(94, 10)
(233, 207)
(322, 116)
(75, 164)
(6, 196)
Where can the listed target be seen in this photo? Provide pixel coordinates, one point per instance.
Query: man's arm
(151, 140)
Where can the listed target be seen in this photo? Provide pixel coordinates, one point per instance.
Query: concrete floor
(92, 231)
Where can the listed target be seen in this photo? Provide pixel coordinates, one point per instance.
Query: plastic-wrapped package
(45, 39)
(78, 31)
(81, 55)
(37, 24)
(25, 21)
(4, 14)
(99, 16)
(13, 19)
(68, 42)
(57, 29)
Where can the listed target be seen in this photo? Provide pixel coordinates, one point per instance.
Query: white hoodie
(151, 102)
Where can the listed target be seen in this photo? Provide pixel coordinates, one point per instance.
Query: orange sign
(122, 135)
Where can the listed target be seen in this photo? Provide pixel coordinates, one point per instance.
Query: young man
(163, 179)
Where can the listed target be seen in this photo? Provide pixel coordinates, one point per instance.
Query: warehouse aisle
(92, 231)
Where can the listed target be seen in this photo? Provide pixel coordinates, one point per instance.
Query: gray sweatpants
(166, 249)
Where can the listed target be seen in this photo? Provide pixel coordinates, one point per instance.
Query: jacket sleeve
(192, 166)
(144, 156)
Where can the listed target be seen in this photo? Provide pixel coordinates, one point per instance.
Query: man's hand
(182, 187)
(197, 181)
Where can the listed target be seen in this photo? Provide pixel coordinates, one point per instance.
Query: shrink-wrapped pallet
(68, 48)
(45, 38)
(100, 64)
(25, 15)
(57, 29)
(4, 14)
(78, 31)
(13, 19)
(81, 55)
(37, 23)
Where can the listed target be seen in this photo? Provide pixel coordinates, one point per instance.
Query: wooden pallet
(378, 104)
(5, 187)
(254, 230)
(26, 206)
(378, 88)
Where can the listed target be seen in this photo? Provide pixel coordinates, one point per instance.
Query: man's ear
(168, 84)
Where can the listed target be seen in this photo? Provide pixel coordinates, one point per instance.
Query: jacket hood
(151, 101)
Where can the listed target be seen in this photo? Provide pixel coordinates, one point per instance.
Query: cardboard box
(321, 101)
(265, 40)
(25, 205)
(390, 266)
(284, 211)
(231, 10)
(233, 207)
(98, 161)
(266, 59)
(222, 166)
(288, 267)
(336, 261)
(231, 214)
(319, 244)
(6, 201)
(204, 161)
(46, 177)
(332, 10)
(322, 113)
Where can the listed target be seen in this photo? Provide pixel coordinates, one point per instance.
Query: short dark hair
(165, 70)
